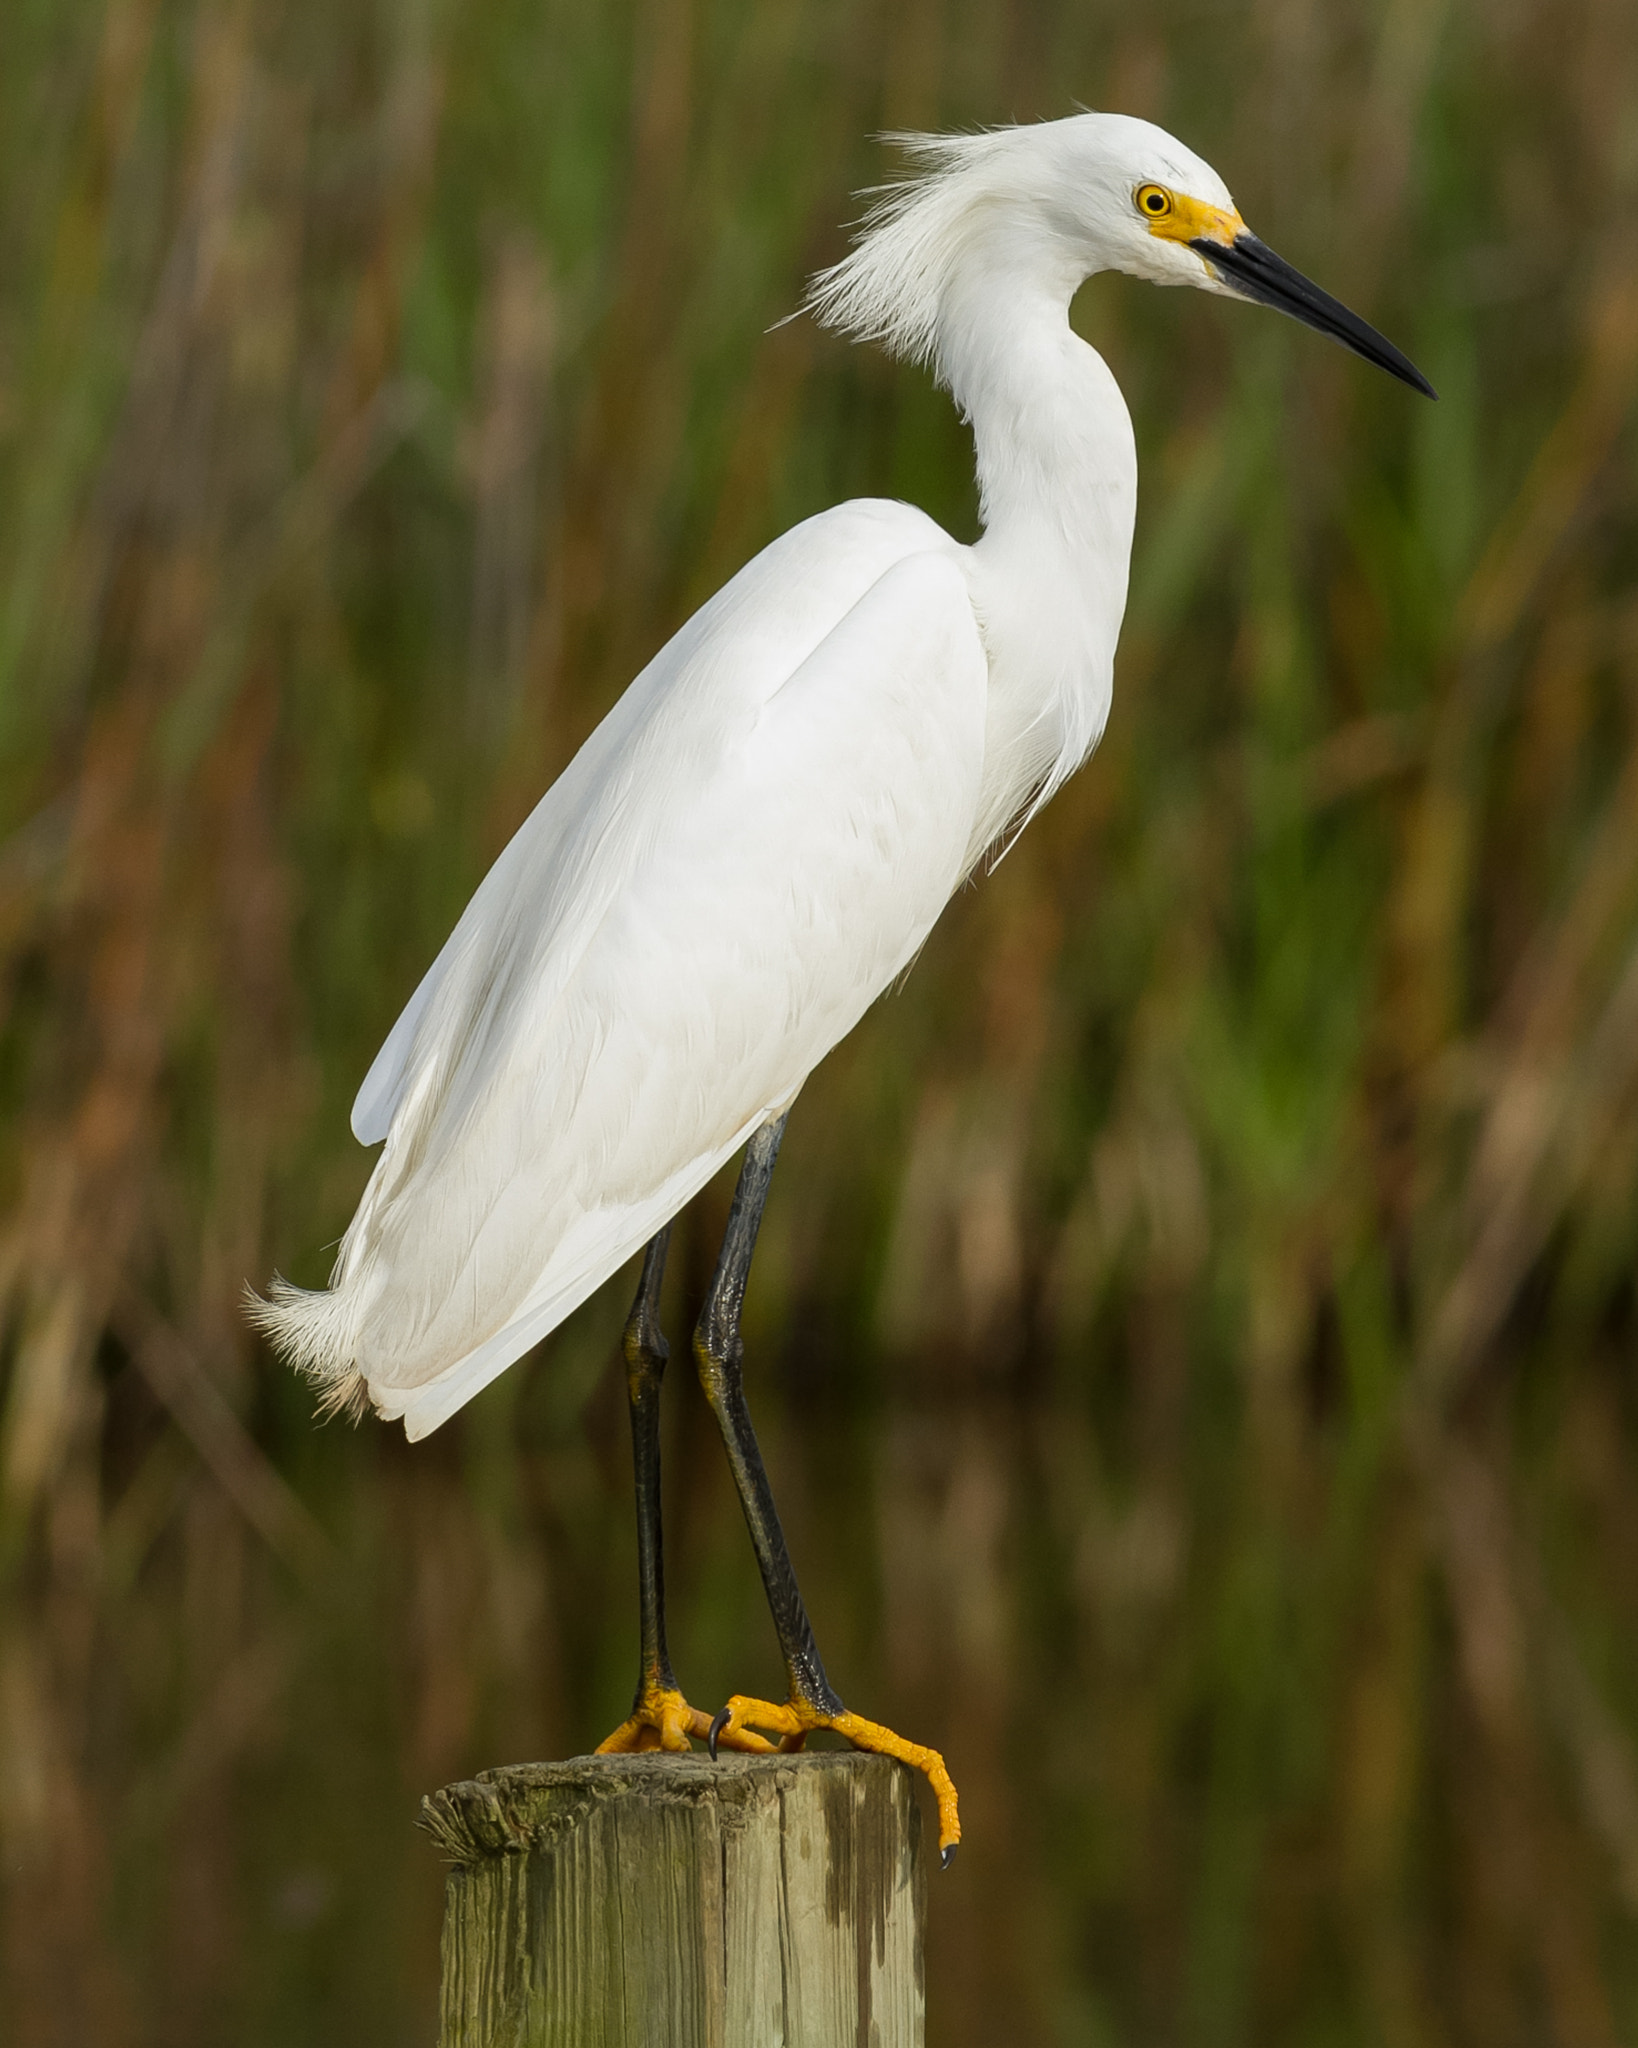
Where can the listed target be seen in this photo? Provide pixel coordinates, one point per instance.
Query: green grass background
(1194, 1334)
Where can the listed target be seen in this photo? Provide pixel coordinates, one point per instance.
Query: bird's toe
(663, 1719)
(791, 1722)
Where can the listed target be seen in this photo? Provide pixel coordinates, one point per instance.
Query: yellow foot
(663, 1719)
(795, 1721)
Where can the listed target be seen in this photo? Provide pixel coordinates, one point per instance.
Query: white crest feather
(890, 286)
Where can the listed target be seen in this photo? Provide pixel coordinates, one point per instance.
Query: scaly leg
(660, 1717)
(719, 1356)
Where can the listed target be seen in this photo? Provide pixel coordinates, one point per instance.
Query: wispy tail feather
(313, 1331)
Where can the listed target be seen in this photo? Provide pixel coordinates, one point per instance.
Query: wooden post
(670, 1902)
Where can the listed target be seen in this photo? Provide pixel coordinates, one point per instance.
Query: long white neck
(1057, 472)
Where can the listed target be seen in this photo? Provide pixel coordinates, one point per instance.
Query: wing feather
(752, 847)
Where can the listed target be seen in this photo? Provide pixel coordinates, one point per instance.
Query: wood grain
(671, 1902)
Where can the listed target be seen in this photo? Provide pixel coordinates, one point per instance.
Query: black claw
(719, 1721)
(946, 1855)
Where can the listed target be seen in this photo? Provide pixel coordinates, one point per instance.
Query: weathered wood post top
(658, 1901)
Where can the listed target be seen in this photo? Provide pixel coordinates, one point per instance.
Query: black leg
(646, 1353)
(660, 1717)
(719, 1355)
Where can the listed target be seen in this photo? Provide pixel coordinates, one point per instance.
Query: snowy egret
(758, 838)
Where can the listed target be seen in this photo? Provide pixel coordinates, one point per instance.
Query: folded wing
(750, 848)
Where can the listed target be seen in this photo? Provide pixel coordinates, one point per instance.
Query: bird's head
(1151, 207)
(1058, 201)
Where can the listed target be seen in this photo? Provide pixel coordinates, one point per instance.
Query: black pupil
(1155, 202)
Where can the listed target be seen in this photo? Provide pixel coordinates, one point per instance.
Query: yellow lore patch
(1175, 217)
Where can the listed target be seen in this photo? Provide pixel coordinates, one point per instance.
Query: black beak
(1257, 273)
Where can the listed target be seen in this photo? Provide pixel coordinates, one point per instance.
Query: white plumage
(759, 836)
(627, 996)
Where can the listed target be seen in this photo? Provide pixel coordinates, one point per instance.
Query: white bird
(758, 838)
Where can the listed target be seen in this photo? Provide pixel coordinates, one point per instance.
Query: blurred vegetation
(1195, 1330)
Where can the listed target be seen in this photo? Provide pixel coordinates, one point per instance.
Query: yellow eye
(1154, 202)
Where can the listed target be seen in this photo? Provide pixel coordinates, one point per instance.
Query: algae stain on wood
(669, 1902)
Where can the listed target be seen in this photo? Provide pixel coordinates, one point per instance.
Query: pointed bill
(1252, 269)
